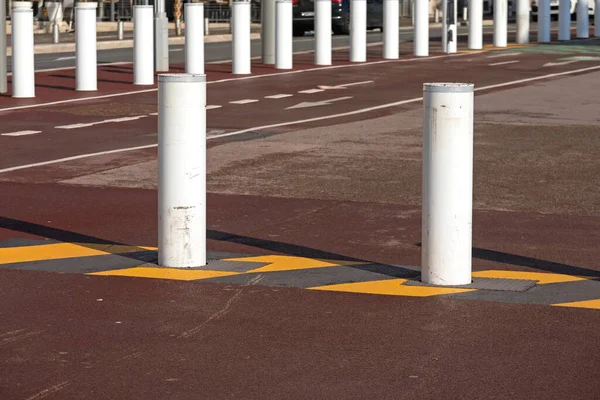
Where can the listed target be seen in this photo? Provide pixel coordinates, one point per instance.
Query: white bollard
(500, 23)
(143, 45)
(284, 34)
(449, 27)
(564, 20)
(267, 30)
(55, 33)
(181, 170)
(523, 7)
(465, 15)
(447, 184)
(436, 16)
(322, 32)
(86, 57)
(476, 25)
(120, 29)
(421, 45)
(391, 25)
(206, 27)
(3, 57)
(358, 30)
(194, 38)
(543, 21)
(597, 18)
(23, 79)
(583, 17)
(241, 56)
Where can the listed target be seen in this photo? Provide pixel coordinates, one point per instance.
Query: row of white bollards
(447, 177)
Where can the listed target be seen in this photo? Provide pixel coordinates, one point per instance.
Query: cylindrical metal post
(143, 45)
(597, 18)
(86, 66)
(391, 25)
(322, 32)
(436, 16)
(23, 79)
(543, 21)
(161, 38)
(120, 30)
(55, 33)
(241, 37)
(447, 183)
(453, 29)
(181, 170)
(284, 34)
(421, 12)
(194, 38)
(206, 27)
(267, 31)
(564, 20)
(583, 18)
(500, 23)
(445, 26)
(112, 10)
(476, 25)
(465, 14)
(3, 45)
(358, 30)
(523, 7)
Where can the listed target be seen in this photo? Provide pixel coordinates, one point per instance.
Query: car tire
(343, 29)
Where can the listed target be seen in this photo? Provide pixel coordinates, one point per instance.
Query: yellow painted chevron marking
(541, 277)
(165, 273)
(289, 263)
(57, 251)
(392, 287)
(593, 304)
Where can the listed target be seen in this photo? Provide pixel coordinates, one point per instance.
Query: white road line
(354, 84)
(106, 121)
(212, 107)
(65, 58)
(278, 96)
(325, 117)
(504, 63)
(153, 114)
(21, 133)
(66, 68)
(244, 101)
(507, 54)
(311, 91)
(52, 103)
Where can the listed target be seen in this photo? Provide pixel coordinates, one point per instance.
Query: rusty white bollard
(181, 170)
(194, 38)
(23, 84)
(447, 183)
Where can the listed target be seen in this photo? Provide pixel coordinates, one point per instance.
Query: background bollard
(120, 29)
(358, 31)
(476, 25)
(284, 34)
(161, 37)
(436, 16)
(597, 18)
(3, 46)
(23, 79)
(500, 23)
(543, 21)
(143, 45)
(564, 20)
(421, 10)
(523, 21)
(465, 14)
(181, 170)
(86, 65)
(55, 33)
(194, 38)
(391, 25)
(267, 31)
(447, 183)
(241, 57)
(206, 27)
(583, 19)
(322, 32)
(449, 27)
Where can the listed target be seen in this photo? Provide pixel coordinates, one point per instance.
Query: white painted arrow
(555, 64)
(306, 104)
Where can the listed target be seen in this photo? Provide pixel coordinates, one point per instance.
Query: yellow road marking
(165, 273)
(541, 277)
(392, 287)
(289, 263)
(54, 251)
(592, 304)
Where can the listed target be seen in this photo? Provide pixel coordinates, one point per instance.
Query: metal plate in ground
(505, 285)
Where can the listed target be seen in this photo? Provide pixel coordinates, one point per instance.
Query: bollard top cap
(22, 5)
(448, 87)
(182, 78)
(80, 4)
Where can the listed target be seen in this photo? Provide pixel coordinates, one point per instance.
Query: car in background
(304, 16)
(554, 7)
